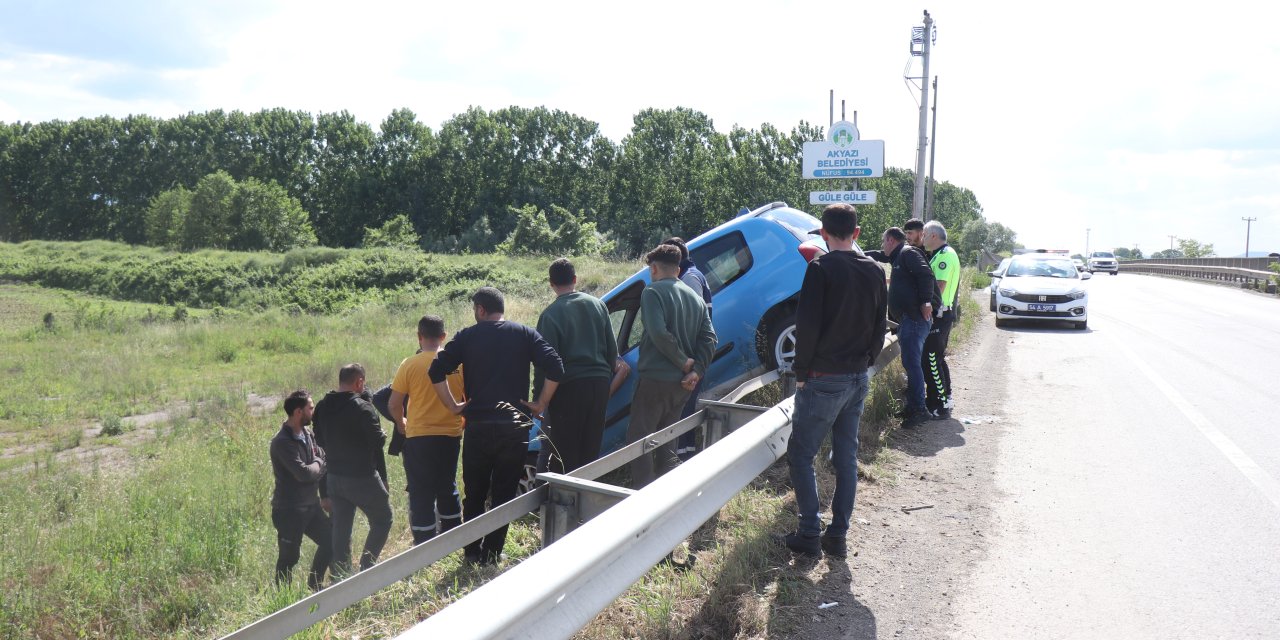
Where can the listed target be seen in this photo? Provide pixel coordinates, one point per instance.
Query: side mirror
(993, 274)
(1085, 275)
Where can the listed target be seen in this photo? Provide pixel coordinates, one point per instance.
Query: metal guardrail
(1248, 278)
(572, 503)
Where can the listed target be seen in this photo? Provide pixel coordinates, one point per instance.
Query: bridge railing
(1260, 279)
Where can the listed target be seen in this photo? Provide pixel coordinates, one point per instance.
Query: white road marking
(1255, 474)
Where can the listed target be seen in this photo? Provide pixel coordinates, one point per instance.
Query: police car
(1042, 285)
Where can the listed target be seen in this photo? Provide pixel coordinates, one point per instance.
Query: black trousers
(431, 469)
(937, 375)
(492, 465)
(293, 523)
(575, 423)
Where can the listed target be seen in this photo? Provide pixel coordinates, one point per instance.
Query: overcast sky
(1131, 119)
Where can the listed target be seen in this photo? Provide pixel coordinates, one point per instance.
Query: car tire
(780, 341)
(1115, 273)
(993, 303)
(1081, 326)
(1001, 322)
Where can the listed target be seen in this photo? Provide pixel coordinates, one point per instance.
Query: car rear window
(723, 260)
(798, 223)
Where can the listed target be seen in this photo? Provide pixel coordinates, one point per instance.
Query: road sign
(844, 159)
(849, 197)
(843, 132)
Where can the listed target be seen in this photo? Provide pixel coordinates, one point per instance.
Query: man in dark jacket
(298, 503)
(840, 327)
(495, 355)
(912, 294)
(347, 427)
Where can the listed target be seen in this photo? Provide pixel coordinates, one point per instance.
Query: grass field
(163, 529)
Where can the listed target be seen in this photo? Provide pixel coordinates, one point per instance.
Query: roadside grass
(177, 541)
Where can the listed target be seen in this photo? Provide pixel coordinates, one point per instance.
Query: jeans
(368, 494)
(655, 406)
(291, 524)
(827, 403)
(912, 331)
(493, 456)
(431, 470)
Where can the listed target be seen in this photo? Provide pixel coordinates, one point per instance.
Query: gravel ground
(922, 528)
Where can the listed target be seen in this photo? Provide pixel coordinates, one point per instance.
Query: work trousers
(937, 375)
(369, 495)
(575, 423)
(656, 405)
(292, 523)
(493, 457)
(431, 470)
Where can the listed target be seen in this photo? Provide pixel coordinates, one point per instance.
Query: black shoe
(835, 547)
(803, 545)
(902, 413)
(915, 419)
(942, 414)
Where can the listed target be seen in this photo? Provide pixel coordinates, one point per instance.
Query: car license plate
(1042, 307)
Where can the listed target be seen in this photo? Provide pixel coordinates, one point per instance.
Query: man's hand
(400, 426)
(326, 504)
(926, 311)
(688, 366)
(536, 408)
(690, 381)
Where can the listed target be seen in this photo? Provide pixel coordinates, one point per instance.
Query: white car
(1103, 261)
(1042, 286)
(996, 274)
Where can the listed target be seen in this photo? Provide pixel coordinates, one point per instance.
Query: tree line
(278, 178)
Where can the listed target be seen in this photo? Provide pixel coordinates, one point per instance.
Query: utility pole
(1247, 227)
(925, 38)
(1086, 244)
(1171, 239)
(933, 150)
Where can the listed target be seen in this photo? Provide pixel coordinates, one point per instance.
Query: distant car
(1103, 261)
(1040, 286)
(754, 264)
(1078, 263)
(996, 274)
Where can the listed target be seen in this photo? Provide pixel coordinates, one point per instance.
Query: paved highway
(1137, 491)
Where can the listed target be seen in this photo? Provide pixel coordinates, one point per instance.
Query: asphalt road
(1137, 491)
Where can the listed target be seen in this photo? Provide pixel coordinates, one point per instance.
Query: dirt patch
(114, 454)
(919, 532)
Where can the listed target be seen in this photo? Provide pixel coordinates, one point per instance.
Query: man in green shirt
(945, 264)
(577, 326)
(675, 352)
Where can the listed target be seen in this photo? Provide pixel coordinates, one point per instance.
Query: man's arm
(611, 338)
(290, 457)
(877, 255)
(881, 325)
(918, 268)
(396, 405)
(547, 362)
(446, 397)
(620, 372)
(808, 321)
(654, 319)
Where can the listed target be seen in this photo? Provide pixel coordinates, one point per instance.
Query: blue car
(754, 264)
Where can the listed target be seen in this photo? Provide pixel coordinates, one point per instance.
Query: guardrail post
(571, 502)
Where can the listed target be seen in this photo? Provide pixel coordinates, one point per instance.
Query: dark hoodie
(347, 427)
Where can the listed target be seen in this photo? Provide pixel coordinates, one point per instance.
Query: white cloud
(1133, 119)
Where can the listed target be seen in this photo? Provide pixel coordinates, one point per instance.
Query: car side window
(624, 311)
(723, 260)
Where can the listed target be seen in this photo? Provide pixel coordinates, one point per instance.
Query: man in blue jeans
(911, 302)
(840, 327)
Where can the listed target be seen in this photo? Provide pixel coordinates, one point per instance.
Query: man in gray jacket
(675, 352)
(299, 501)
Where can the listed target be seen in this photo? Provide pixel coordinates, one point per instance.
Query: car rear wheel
(780, 348)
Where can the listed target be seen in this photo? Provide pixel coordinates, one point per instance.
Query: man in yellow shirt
(433, 436)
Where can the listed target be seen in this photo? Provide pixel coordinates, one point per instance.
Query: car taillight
(811, 251)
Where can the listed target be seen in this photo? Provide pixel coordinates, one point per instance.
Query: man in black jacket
(298, 503)
(347, 427)
(840, 327)
(495, 354)
(912, 296)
